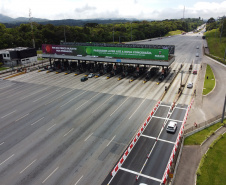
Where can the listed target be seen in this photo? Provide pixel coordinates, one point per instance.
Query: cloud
(85, 8)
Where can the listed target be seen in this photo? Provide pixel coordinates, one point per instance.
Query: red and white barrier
(169, 164)
(134, 141)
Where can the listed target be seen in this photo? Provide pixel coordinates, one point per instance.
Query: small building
(18, 56)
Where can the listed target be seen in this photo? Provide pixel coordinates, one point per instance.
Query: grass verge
(199, 137)
(216, 45)
(3, 68)
(39, 51)
(177, 32)
(209, 82)
(212, 166)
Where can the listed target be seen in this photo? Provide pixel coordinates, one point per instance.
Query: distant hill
(11, 22)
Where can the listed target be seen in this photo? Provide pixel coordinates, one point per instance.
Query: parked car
(171, 127)
(190, 85)
(90, 75)
(83, 79)
(195, 72)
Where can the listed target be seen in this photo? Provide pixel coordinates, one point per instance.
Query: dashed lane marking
(37, 121)
(50, 175)
(22, 117)
(28, 166)
(111, 140)
(79, 180)
(8, 114)
(2, 143)
(50, 127)
(103, 103)
(6, 159)
(137, 108)
(88, 137)
(68, 132)
(119, 106)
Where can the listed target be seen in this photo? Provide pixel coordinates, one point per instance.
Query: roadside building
(18, 56)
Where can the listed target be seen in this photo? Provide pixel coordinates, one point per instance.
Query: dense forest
(21, 36)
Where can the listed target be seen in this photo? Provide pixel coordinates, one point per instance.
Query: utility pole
(222, 120)
(33, 40)
(222, 28)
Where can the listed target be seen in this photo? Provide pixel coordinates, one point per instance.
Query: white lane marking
(111, 140)
(22, 117)
(8, 114)
(164, 105)
(140, 174)
(119, 106)
(33, 93)
(158, 139)
(78, 180)
(28, 166)
(102, 104)
(180, 108)
(37, 121)
(88, 137)
(167, 118)
(50, 175)
(50, 127)
(72, 99)
(137, 108)
(46, 95)
(2, 143)
(68, 132)
(6, 159)
(81, 105)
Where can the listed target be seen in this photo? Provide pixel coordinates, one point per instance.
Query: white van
(171, 127)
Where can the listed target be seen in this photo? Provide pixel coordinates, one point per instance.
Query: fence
(204, 124)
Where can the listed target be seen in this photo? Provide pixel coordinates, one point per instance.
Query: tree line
(21, 36)
(219, 24)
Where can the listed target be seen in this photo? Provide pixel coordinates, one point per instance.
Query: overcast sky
(90, 9)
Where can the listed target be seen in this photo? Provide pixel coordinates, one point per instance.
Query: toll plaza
(101, 58)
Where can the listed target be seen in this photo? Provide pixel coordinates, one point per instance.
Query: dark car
(161, 77)
(83, 79)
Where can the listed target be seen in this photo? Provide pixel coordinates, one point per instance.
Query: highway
(57, 130)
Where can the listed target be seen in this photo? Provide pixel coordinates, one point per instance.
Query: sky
(112, 9)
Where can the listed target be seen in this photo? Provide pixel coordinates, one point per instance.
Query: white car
(171, 127)
(90, 75)
(190, 85)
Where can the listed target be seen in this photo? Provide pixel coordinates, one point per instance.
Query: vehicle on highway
(161, 77)
(83, 79)
(91, 75)
(195, 72)
(190, 85)
(171, 127)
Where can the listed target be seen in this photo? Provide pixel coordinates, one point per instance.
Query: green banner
(114, 52)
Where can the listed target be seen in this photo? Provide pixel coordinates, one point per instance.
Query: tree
(211, 20)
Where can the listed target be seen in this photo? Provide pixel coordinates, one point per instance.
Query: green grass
(3, 68)
(213, 168)
(209, 83)
(39, 51)
(199, 137)
(177, 32)
(216, 47)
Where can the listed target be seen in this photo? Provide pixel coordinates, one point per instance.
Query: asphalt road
(149, 157)
(56, 130)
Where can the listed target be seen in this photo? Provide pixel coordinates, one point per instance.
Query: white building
(18, 56)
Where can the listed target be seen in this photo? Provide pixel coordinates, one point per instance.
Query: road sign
(171, 175)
